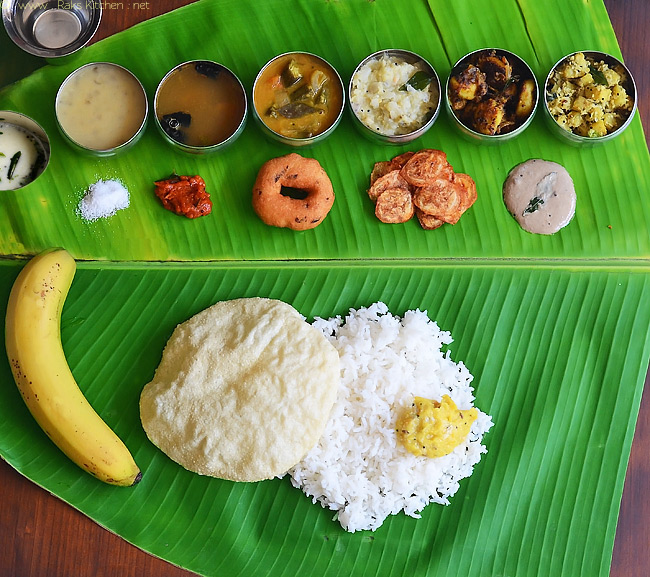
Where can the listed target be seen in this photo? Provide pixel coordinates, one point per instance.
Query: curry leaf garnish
(12, 164)
(534, 205)
(418, 81)
(598, 76)
(512, 80)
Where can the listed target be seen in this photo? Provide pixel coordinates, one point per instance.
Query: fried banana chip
(428, 221)
(394, 205)
(423, 184)
(466, 182)
(381, 168)
(426, 166)
(401, 159)
(385, 182)
(440, 198)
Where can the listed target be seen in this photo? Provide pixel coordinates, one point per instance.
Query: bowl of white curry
(24, 150)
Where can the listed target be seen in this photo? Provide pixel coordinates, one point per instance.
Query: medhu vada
(292, 192)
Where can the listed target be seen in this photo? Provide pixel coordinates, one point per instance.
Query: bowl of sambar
(298, 98)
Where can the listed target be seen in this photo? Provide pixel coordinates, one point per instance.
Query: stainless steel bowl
(291, 141)
(468, 132)
(35, 133)
(209, 148)
(411, 58)
(101, 152)
(49, 28)
(570, 137)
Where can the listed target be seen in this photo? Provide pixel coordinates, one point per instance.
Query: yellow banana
(41, 371)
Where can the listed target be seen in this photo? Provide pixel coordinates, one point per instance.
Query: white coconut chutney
(540, 195)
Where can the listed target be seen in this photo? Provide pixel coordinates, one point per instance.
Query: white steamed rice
(358, 468)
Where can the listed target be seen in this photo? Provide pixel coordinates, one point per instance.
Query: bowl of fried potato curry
(491, 95)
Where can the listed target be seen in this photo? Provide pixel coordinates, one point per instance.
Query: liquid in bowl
(101, 106)
(200, 104)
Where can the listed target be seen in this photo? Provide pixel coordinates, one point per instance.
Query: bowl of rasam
(200, 106)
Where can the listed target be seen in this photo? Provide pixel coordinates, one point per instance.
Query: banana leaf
(244, 36)
(554, 329)
(558, 355)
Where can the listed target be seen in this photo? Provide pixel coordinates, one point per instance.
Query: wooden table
(42, 536)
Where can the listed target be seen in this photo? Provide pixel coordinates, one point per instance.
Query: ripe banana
(33, 341)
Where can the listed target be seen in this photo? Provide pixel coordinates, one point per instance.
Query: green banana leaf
(244, 35)
(554, 329)
(558, 356)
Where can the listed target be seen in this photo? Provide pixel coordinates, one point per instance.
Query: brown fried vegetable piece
(469, 84)
(526, 99)
(490, 116)
(497, 70)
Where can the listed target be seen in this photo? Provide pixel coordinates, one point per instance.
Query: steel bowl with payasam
(101, 109)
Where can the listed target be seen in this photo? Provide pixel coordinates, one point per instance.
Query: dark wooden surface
(40, 536)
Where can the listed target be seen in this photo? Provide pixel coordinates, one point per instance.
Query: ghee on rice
(378, 102)
(358, 468)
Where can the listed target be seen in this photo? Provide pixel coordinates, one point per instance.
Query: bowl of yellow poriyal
(589, 98)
